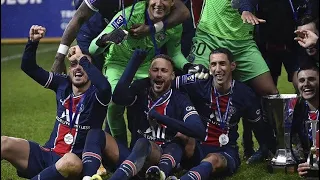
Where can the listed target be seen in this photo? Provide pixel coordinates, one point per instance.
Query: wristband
(158, 26)
(63, 49)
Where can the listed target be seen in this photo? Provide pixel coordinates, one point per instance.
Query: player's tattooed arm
(82, 14)
(179, 14)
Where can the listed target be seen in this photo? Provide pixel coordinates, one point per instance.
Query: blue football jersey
(174, 104)
(91, 115)
(244, 103)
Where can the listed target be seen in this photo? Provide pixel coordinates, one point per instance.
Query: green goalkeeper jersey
(120, 54)
(220, 19)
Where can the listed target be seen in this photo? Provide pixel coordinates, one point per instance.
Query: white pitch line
(17, 56)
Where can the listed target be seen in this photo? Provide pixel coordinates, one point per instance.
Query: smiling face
(158, 9)
(221, 68)
(308, 84)
(161, 74)
(311, 27)
(78, 76)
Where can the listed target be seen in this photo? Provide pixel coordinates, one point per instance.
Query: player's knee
(218, 161)
(6, 145)
(142, 145)
(69, 165)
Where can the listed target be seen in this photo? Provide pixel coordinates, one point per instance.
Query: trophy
(279, 112)
(313, 157)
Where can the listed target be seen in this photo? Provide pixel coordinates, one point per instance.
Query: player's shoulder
(97, 5)
(242, 88)
(179, 96)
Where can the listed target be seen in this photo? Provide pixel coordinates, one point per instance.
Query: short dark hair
(164, 56)
(223, 51)
(308, 64)
(306, 19)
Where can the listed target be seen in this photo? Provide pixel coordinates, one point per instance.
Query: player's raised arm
(82, 14)
(29, 64)
(122, 94)
(76, 57)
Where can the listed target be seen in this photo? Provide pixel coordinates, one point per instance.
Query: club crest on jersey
(118, 22)
(232, 110)
(191, 58)
(161, 36)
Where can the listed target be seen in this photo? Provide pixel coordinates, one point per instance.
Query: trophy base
(312, 174)
(288, 168)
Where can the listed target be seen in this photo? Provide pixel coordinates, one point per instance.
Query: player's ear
(233, 66)
(173, 75)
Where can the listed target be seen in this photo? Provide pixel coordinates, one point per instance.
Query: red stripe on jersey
(214, 130)
(313, 115)
(161, 109)
(60, 147)
(196, 7)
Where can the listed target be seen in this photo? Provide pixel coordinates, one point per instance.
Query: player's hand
(190, 144)
(75, 53)
(199, 70)
(248, 17)
(306, 38)
(152, 121)
(36, 32)
(303, 168)
(139, 55)
(116, 37)
(139, 30)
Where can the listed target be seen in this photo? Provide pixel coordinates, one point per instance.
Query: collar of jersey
(164, 99)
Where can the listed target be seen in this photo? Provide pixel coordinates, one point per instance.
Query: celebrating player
(119, 49)
(82, 98)
(107, 9)
(221, 102)
(155, 114)
(306, 110)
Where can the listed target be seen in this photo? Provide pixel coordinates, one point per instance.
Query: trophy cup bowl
(279, 111)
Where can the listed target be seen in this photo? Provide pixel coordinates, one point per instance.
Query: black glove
(199, 70)
(116, 36)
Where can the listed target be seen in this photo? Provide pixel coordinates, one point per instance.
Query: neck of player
(313, 103)
(80, 90)
(223, 88)
(155, 95)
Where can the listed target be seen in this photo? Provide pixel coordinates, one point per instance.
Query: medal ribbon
(73, 120)
(160, 99)
(125, 22)
(223, 119)
(153, 34)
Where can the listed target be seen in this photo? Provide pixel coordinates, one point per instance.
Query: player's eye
(73, 63)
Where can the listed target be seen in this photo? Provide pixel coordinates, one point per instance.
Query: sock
(171, 156)
(199, 172)
(50, 173)
(94, 146)
(134, 162)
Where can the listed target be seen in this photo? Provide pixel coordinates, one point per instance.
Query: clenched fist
(75, 53)
(36, 32)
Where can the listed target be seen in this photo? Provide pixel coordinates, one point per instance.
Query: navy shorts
(124, 152)
(201, 151)
(275, 60)
(39, 159)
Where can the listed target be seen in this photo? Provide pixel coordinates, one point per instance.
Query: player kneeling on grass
(82, 99)
(155, 114)
(221, 102)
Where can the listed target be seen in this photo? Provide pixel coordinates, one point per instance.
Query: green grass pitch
(28, 110)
